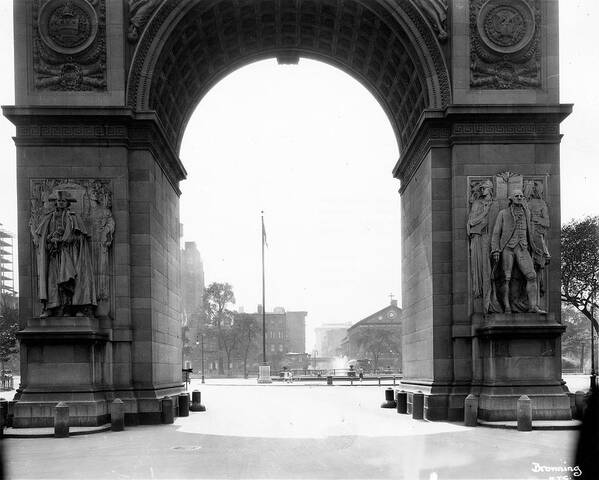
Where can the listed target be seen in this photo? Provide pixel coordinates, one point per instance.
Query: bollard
(184, 405)
(168, 410)
(393, 379)
(379, 381)
(524, 414)
(329, 380)
(579, 404)
(418, 405)
(351, 381)
(117, 415)
(402, 402)
(61, 420)
(196, 402)
(389, 399)
(471, 410)
(3, 415)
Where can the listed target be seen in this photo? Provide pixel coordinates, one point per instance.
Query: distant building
(328, 339)
(387, 321)
(192, 285)
(7, 261)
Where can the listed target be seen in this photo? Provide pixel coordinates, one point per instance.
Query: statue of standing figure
(478, 230)
(65, 274)
(513, 241)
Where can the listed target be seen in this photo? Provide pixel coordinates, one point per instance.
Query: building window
(280, 347)
(272, 347)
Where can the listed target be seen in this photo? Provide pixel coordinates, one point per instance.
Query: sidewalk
(284, 431)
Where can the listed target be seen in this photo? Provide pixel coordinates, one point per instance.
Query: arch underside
(190, 45)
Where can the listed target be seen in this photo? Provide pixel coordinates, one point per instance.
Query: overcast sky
(311, 147)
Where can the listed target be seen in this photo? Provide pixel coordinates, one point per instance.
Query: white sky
(311, 147)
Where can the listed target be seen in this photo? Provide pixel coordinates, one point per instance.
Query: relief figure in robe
(478, 230)
(64, 266)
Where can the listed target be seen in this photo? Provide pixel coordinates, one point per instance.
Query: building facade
(378, 338)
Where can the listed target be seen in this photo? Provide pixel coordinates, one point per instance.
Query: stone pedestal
(65, 361)
(514, 355)
(264, 374)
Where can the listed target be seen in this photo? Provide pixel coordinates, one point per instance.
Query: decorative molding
(505, 50)
(114, 127)
(71, 131)
(69, 45)
(506, 128)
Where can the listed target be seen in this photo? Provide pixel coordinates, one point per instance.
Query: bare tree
(248, 330)
(378, 342)
(217, 298)
(580, 265)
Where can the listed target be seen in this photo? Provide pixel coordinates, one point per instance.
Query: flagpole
(263, 298)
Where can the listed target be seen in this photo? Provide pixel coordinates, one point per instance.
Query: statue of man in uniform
(64, 267)
(513, 241)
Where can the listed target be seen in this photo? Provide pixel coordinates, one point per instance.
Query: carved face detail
(517, 197)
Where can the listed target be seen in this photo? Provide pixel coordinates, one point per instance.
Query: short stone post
(61, 420)
(418, 405)
(402, 401)
(379, 381)
(3, 415)
(196, 402)
(168, 410)
(579, 404)
(393, 379)
(329, 380)
(184, 405)
(117, 415)
(524, 414)
(389, 399)
(471, 411)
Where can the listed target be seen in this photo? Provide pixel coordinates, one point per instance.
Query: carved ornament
(69, 45)
(140, 12)
(504, 44)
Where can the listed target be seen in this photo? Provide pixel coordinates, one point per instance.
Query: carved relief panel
(507, 227)
(69, 45)
(504, 44)
(79, 237)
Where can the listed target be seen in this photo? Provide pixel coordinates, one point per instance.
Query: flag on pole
(264, 242)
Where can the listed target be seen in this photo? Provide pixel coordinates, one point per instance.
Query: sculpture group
(72, 247)
(508, 246)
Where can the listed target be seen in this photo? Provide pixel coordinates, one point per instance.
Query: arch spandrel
(388, 46)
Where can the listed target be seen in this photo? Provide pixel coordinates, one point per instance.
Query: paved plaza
(295, 431)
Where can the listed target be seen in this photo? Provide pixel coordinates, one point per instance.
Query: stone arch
(187, 47)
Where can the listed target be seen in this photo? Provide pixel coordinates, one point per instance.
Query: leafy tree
(9, 325)
(580, 265)
(248, 330)
(576, 339)
(217, 298)
(378, 342)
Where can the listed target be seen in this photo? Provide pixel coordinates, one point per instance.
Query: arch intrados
(167, 26)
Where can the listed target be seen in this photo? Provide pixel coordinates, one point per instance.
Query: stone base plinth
(518, 354)
(264, 374)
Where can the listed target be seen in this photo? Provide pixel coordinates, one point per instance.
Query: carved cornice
(475, 124)
(45, 126)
